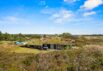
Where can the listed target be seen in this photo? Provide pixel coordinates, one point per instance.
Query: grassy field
(16, 58)
(11, 47)
(26, 50)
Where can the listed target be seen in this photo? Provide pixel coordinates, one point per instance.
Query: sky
(51, 16)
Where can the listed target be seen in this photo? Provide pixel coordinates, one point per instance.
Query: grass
(29, 59)
(11, 47)
(27, 50)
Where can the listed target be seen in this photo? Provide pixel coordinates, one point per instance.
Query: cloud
(71, 1)
(91, 4)
(58, 15)
(42, 3)
(89, 13)
(13, 20)
(8, 20)
(61, 16)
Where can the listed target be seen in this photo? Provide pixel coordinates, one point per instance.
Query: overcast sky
(51, 16)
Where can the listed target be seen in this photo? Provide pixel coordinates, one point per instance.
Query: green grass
(27, 50)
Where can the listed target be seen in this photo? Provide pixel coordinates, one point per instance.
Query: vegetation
(82, 59)
(85, 54)
(17, 37)
(70, 60)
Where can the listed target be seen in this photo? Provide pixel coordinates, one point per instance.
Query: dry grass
(27, 50)
(10, 47)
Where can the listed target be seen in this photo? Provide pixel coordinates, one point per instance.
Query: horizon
(51, 34)
(78, 17)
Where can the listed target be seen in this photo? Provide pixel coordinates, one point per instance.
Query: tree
(66, 35)
(21, 37)
(6, 36)
(1, 35)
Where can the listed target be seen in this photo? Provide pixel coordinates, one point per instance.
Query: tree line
(23, 37)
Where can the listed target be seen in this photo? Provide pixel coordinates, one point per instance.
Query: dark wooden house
(54, 43)
(54, 46)
(50, 43)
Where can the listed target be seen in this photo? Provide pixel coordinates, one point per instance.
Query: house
(54, 46)
(49, 43)
(54, 43)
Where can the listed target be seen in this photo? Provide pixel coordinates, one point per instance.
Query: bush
(83, 59)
